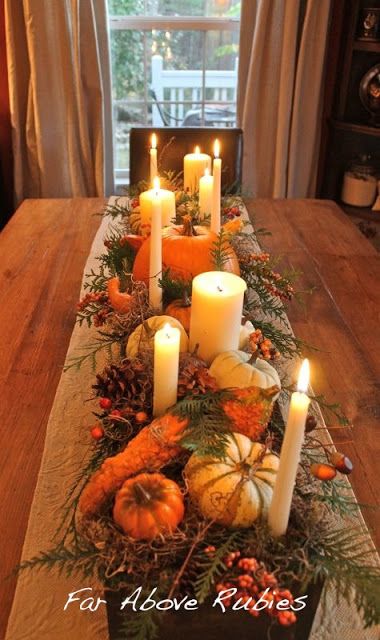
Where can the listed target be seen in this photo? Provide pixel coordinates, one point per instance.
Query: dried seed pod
(323, 471)
(341, 462)
(311, 423)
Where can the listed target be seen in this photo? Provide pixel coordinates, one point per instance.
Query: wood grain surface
(43, 251)
(341, 318)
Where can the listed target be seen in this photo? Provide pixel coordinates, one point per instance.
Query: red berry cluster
(99, 299)
(262, 346)
(232, 212)
(135, 202)
(254, 583)
(116, 416)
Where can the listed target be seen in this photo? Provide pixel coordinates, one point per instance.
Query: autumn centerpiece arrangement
(196, 484)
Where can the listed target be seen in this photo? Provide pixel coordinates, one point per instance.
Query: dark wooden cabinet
(347, 129)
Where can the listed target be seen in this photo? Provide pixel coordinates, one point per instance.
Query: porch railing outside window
(171, 70)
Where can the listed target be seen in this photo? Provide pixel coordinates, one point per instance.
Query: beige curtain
(282, 55)
(59, 79)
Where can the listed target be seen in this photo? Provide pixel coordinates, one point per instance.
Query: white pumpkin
(232, 369)
(245, 331)
(237, 490)
(142, 338)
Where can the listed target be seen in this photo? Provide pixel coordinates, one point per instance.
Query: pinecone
(128, 384)
(194, 377)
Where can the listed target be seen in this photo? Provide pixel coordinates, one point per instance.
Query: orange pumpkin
(120, 301)
(186, 252)
(148, 505)
(180, 310)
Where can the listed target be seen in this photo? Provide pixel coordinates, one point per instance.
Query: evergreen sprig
(221, 251)
(141, 625)
(208, 426)
(209, 567)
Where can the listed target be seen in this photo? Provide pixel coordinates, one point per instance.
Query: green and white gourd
(233, 369)
(237, 490)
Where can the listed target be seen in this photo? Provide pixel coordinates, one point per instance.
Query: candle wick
(219, 288)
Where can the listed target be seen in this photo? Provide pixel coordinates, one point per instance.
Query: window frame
(169, 23)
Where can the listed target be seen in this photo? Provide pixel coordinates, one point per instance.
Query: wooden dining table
(43, 251)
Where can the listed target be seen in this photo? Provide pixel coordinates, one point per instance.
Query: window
(174, 63)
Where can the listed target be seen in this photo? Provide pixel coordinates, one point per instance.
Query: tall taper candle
(153, 157)
(155, 258)
(166, 362)
(205, 194)
(217, 188)
(279, 509)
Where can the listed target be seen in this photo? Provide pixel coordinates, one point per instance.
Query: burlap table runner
(38, 607)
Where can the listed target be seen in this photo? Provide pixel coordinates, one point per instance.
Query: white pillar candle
(155, 256)
(166, 359)
(216, 310)
(153, 157)
(205, 194)
(279, 510)
(217, 189)
(194, 166)
(146, 207)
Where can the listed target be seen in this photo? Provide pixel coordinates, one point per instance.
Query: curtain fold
(281, 64)
(59, 79)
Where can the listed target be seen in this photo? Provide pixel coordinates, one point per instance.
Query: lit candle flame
(168, 330)
(207, 171)
(156, 184)
(154, 141)
(216, 149)
(304, 376)
(197, 149)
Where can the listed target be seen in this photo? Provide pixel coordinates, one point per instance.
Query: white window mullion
(203, 94)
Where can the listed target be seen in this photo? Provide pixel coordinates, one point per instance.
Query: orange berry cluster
(262, 346)
(254, 583)
(274, 282)
(101, 300)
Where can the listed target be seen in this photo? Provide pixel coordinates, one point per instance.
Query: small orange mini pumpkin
(120, 301)
(180, 310)
(148, 505)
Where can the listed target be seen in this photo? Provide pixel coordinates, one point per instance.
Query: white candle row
(197, 178)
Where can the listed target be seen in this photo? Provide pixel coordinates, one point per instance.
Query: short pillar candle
(194, 166)
(216, 311)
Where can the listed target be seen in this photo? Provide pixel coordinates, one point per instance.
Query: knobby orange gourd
(156, 445)
(186, 252)
(120, 301)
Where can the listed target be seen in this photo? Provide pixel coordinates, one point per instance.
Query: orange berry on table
(323, 471)
(97, 432)
(141, 417)
(115, 414)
